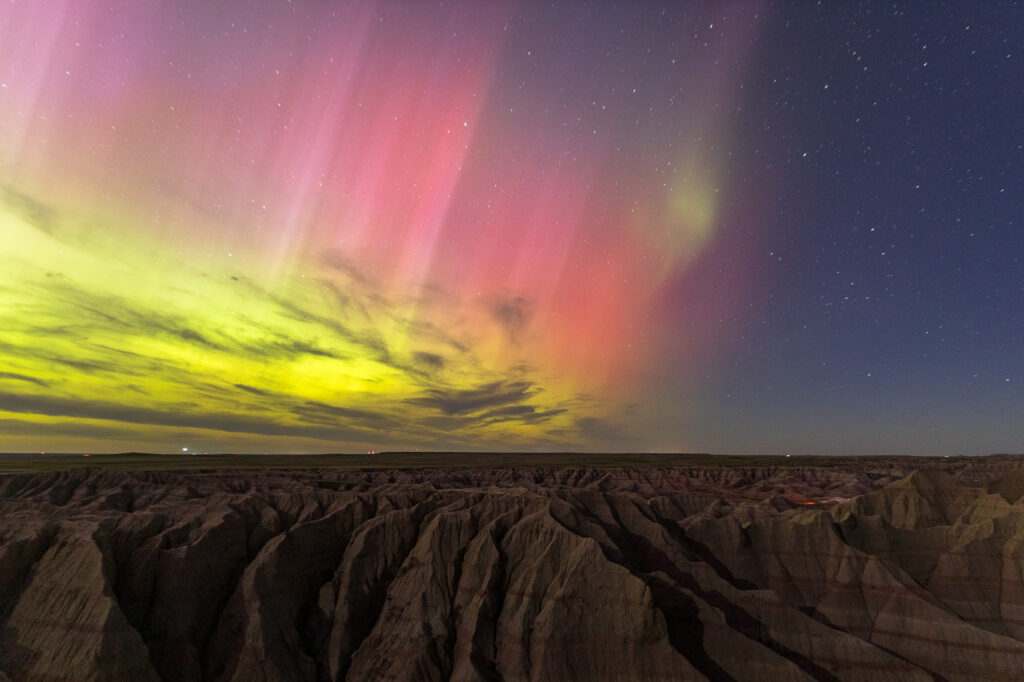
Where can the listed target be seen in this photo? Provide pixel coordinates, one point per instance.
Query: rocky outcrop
(782, 573)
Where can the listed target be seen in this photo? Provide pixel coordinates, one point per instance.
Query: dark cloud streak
(97, 409)
(431, 360)
(23, 377)
(513, 314)
(455, 402)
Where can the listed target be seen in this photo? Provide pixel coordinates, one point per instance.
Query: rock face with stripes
(627, 574)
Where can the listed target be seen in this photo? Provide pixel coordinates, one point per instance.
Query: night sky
(739, 227)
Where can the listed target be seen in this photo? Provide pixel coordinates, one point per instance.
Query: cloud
(114, 312)
(421, 329)
(446, 424)
(431, 360)
(33, 211)
(187, 334)
(282, 347)
(366, 339)
(251, 389)
(524, 413)
(21, 427)
(455, 402)
(513, 314)
(324, 413)
(87, 366)
(98, 409)
(344, 301)
(510, 411)
(23, 377)
(336, 261)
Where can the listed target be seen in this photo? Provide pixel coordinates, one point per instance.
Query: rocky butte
(863, 569)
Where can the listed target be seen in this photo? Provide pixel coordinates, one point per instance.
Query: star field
(299, 226)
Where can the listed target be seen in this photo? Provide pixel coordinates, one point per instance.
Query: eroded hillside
(684, 573)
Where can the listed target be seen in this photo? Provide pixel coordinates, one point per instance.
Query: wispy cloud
(318, 412)
(429, 360)
(23, 377)
(460, 401)
(36, 213)
(522, 413)
(251, 389)
(23, 427)
(513, 313)
(336, 356)
(173, 416)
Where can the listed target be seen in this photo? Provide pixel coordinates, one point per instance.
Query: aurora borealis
(317, 226)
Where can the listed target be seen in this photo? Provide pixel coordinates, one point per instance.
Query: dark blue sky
(891, 316)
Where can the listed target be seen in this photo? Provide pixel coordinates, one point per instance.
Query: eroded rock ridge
(785, 573)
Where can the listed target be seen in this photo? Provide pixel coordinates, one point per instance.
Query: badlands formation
(868, 570)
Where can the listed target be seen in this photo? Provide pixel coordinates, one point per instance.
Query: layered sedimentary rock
(862, 573)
